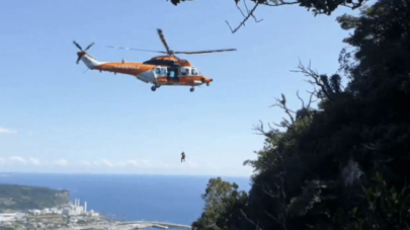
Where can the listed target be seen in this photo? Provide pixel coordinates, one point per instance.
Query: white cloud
(18, 159)
(61, 162)
(85, 163)
(146, 163)
(21, 160)
(7, 131)
(129, 163)
(113, 165)
(34, 161)
(132, 163)
(191, 164)
(107, 163)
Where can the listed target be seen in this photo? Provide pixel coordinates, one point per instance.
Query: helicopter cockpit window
(194, 71)
(158, 71)
(185, 71)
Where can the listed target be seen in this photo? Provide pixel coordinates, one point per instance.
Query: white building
(75, 209)
(11, 216)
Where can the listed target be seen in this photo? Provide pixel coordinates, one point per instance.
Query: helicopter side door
(173, 73)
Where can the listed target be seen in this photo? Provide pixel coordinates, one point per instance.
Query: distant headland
(23, 198)
(27, 207)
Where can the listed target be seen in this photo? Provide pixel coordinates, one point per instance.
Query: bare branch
(281, 103)
(279, 3)
(230, 27)
(260, 129)
(300, 99)
(272, 217)
(278, 125)
(276, 3)
(315, 78)
(253, 16)
(240, 10)
(249, 219)
(311, 100)
(250, 14)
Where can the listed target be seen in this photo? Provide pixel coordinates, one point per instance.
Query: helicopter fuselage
(161, 70)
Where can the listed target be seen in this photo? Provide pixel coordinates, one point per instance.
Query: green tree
(223, 202)
(345, 164)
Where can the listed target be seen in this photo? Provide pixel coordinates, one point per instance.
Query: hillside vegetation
(17, 197)
(344, 164)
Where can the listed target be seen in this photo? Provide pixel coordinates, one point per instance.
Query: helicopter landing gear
(153, 88)
(191, 89)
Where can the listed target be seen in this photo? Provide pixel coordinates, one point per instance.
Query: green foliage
(346, 164)
(17, 197)
(223, 204)
(386, 207)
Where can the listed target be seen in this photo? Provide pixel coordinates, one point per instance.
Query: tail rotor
(82, 51)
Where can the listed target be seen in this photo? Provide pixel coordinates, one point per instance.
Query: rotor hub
(80, 53)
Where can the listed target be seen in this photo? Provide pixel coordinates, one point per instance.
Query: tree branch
(253, 16)
(246, 17)
(279, 3)
(281, 103)
(316, 79)
(249, 220)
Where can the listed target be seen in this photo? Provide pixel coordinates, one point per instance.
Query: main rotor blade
(161, 36)
(78, 45)
(89, 46)
(204, 51)
(137, 49)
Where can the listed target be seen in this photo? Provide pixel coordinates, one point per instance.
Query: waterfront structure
(73, 216)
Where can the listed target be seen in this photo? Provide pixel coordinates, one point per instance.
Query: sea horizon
(128, 197)
(124, 174)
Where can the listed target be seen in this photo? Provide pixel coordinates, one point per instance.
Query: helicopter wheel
(192, 89)
(153, 88)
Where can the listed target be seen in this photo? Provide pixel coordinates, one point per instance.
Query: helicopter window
(163, 71)
(158, 71)
(194, 71)
(185, 71)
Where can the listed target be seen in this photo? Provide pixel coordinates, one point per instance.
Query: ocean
(175, 199)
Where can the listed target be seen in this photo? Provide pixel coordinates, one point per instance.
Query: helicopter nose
(209, 80)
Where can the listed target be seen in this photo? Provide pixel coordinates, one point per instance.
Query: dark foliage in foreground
(345, 165)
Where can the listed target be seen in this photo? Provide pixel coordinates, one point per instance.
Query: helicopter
(165, 70)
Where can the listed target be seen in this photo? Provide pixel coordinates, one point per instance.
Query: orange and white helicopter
(159, 70)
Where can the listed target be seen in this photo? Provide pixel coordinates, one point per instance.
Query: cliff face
(17, 197)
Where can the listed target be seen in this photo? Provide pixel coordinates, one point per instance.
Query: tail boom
(89, 61)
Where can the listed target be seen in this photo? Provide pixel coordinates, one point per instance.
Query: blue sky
(57, 117)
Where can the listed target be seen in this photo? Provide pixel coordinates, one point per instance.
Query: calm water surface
(131, 197)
